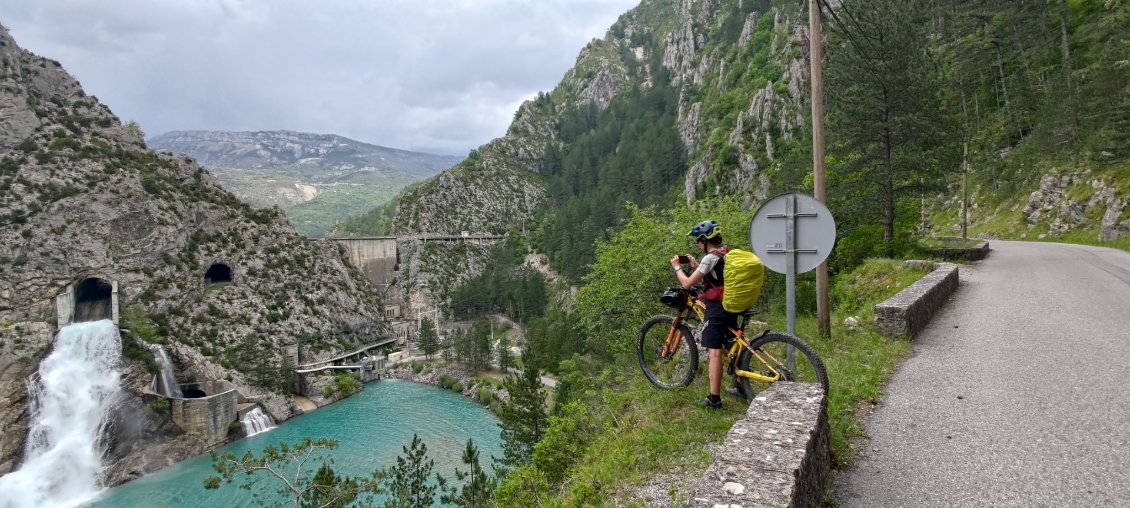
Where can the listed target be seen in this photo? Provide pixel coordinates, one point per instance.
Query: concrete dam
(378, 257)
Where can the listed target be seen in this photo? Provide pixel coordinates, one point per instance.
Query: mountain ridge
(297, 146)
(319, 179)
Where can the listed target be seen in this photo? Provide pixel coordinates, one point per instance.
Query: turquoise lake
(371, 427)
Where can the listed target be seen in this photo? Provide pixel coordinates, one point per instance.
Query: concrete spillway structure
(207, 409)
(376, 257)
(89, 299)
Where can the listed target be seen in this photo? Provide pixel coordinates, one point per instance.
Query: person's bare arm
(687, 281)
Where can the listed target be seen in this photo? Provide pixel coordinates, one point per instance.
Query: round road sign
(792, 223)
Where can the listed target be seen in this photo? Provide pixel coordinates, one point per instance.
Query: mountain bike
(668, 352)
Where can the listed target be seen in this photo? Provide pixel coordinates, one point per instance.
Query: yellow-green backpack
(743, 274)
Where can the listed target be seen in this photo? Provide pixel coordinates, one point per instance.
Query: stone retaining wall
(910, 310)
(975, 253)
(777, 456)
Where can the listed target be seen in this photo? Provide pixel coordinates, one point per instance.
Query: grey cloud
(438, 74)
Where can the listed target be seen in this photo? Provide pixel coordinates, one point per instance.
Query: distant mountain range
(318, 178)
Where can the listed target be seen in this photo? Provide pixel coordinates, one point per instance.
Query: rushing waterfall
(255, 421)
(166, 381)
(70, 398)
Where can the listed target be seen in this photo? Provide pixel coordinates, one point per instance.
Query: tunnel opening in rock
(194, 393)
(93, 300)
(217, 273)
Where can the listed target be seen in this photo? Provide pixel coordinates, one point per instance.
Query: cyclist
(716, 329)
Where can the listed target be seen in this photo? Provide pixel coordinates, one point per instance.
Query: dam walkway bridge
(360, 361)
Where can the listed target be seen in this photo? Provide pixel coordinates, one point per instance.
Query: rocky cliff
(499, 181)
(82, 197)
(742, 81)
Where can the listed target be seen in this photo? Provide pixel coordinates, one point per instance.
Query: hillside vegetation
(694, 110)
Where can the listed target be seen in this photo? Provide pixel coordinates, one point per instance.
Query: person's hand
(675, 262)
(693, 262)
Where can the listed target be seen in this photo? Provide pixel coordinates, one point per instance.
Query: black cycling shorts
(715, 332)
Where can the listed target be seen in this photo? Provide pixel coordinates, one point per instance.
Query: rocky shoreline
(450, 377)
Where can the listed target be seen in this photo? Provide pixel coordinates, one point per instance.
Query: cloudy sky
(435, 75)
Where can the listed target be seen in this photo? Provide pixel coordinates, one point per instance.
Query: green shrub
(133, 350)
(445, 381)
(346, 383)
(457, 387)
(134, 319)
(160, 406)
(486, 395)
(27, 146)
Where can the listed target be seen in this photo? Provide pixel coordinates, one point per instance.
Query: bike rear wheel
(677, 368)
(771, 360)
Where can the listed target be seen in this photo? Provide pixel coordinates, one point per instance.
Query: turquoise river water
(371, 427)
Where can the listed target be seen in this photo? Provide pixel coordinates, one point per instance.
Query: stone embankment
(974, 253)
(777, 456)
(910, 310)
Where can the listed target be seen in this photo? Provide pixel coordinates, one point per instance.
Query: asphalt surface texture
(1017, 393)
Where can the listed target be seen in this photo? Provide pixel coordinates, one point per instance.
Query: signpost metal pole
(790, 273)
(790, 262)
(790, 251)
(818, 233)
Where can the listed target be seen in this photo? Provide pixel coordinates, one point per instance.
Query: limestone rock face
(771, 108)
(81, 196)
(696, 17)
(1112, 227)
(499, 186)
(1076, 200)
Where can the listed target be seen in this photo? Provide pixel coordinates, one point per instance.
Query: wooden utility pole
(965, 191)
(816, 63)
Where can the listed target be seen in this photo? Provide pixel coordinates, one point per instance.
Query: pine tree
(523, 418)
(505, 359)
(406, 484)
(429, 339)
(447, 347)
(477, 484)
(480, 346)
(283, 463)
(330, 490)
(887, 122)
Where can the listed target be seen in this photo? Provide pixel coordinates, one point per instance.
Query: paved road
(1018, 393)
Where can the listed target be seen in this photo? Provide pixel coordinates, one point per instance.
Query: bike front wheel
(768, 356)
(677, 367)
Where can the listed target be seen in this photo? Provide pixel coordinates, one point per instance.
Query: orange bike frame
(675, 339)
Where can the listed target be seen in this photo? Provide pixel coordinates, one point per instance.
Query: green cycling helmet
(705, 230)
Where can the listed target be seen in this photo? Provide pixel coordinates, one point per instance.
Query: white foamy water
(70, 398)
(255, 421)
(166, 382)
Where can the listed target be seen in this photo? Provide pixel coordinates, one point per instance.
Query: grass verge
(627, 437)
